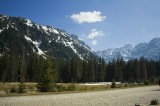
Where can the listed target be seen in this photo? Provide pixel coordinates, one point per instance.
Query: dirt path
(119, 97)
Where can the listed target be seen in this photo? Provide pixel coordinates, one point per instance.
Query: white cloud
(88, 17)
(94, 42)
(95, 34)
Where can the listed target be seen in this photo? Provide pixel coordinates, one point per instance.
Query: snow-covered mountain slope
(150, 51)
(42, 39)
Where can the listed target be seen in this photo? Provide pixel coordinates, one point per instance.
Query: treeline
(93, 70)
(17, 68)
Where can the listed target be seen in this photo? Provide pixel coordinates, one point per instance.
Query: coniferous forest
(31, 68)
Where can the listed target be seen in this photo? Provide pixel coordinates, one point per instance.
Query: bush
(31, 86)
(154, 102)
(71, 88)
(158, 82)
(44, 87)
(22, 88)
(126, 85)
(60, 88)
(113, 84)
(147, 82)
(119, 86)
(13, 89)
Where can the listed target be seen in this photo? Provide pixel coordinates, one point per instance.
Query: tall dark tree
(143, 69)
(136, 70)
(120, 67)
(47, 77)
(91, 70)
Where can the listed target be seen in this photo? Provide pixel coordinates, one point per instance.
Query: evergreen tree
(120, 68)
(91, 70)
(136, 70)
(79, 69)
(114, 74)
(47, 77)
(143, 69)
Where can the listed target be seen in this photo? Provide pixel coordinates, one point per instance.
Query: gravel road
(119, 97)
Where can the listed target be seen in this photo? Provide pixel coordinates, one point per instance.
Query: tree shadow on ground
(156, 90)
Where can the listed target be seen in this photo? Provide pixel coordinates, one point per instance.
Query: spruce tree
(47, 77)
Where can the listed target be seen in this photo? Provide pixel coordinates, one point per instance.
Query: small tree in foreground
(47, 77)
(113, 84)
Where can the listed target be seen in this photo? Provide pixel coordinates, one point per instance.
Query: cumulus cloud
(87, 17)
(95, 34)
(94, 42)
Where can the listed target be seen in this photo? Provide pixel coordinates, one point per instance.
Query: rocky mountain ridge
(40, 39)
(150, 51)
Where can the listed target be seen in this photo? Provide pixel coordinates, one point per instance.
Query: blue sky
(102, 24)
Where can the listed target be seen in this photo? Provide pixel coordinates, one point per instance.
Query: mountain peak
(149, 51)
(155, 42)
(128, 46)
(43, 39)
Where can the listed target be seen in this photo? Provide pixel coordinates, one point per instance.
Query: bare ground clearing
(118, 97)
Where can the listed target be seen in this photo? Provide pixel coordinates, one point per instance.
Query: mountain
(150, 51)
(21, 35)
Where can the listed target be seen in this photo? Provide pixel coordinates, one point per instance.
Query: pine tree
(114, 70)
(119, 64)
(136, 70)
(143, 69)
(91, 70)
(79, 69)
(47, 77)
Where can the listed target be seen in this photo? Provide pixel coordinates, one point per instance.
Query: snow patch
(37, 26)
(29, 23)
(70, 44)
(3, 16)
(64, 34)
(58, 37)
(13, 26)
(27, 38)
(40, 52)
(111, 52)
(88, 48)
(7, 26)
(45, 29)
(55, 31)
(100, 83)
(49, 29)
(1, 30)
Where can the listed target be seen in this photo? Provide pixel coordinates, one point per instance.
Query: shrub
(147, 82)
(71, 88)
(113, 84)
(119, 86)
(126, 85)
(44, 87)
(60, 88)
(31, 87)
(13, 89)
(154, 102)
(21, 88)
(158, 82)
